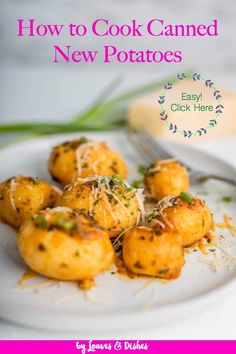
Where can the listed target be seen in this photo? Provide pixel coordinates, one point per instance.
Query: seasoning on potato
(64, 244)
(166, 177)
(156, 253)
(84, 158)
(21, 197)
(113, 203)
(74, 235)
(186, 215)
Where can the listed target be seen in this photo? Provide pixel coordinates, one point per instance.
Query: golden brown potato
(113, 203)
(186, 215)
(21, 197)
(63, 244)
(151, 252)
(166, 178)
(83, 158)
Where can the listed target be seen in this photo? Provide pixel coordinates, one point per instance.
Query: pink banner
(122, 346)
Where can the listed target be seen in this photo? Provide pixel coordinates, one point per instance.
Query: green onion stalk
(102, 115)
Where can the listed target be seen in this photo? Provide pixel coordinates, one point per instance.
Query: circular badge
(195, 105)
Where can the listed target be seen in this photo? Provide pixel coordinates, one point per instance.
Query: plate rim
(187, 304)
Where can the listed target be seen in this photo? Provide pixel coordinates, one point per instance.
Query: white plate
(116, 302)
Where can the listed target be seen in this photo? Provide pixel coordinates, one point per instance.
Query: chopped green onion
(137, 183)
(142, 170)
(202, 179)
(227, 199)
(104, 114)
(68, 225)
(117, 180)
(40, 221)
(187, 197)
(117, 177)
(83, 140)
(36, 181)
(64, 223)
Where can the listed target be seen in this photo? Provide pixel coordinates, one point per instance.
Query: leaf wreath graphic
(212, 122)
(161, 99)
(201, 131)
(219, 108)
(169, 85)
(163, 115)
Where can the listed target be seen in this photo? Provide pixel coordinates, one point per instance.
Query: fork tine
(146, 147)
(158, 150)
(151, 149)
(142, 144)
(133, 138)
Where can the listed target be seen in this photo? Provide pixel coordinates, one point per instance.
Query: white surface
(189, 285)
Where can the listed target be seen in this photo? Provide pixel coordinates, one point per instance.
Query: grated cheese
(56, 189)
(103, 186)
(156, 221)
(140, 197)
(159, 209)
(13, 185)
(157, 168)
(227, 225)
(154, 169)
(221, 256)
(116, 244)
(166, 161)
(82, 153)
(59, 209)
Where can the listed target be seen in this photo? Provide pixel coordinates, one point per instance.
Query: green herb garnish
(96, 117)
(227, 199)
(115, 177)
(117, 180)
(83, 140)
(68, 225)
(142, 170)
(36, 181)
(187, 197)
(40, 221)
(64, 223)
(137, 183)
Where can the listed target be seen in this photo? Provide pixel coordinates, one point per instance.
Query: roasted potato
(186, 215)
(83, 158)
(21, 197)
(151, 252)
(166, 178)
(113, 203)
(63, 244)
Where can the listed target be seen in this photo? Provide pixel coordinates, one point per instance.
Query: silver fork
(151, 150)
